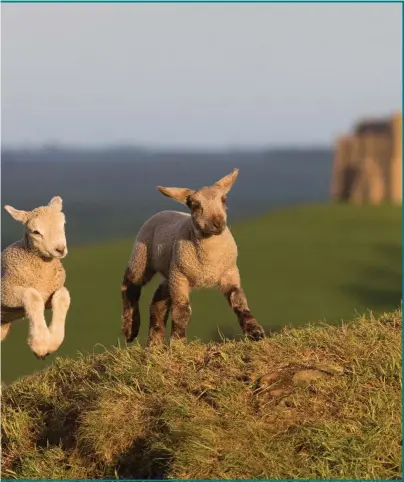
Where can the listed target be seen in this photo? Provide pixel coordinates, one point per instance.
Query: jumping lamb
(33, 277)
(195, 250)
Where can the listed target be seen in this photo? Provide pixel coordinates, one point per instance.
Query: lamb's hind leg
(60, 306)
(159, 311)
(137, 275)
(231, 288)
(181, 308)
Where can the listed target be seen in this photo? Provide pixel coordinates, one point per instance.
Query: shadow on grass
(61, 428)
(139, 461)
(381, 288)
(142, 462)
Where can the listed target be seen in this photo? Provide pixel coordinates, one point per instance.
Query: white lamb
(33, 277)
(190, 251)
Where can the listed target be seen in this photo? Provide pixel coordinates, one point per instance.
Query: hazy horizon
(189, 76)
(166, 148)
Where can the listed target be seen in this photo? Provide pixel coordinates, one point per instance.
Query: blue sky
(196, 75)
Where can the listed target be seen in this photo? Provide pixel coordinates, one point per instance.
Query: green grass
(298, 265)
(319, 402)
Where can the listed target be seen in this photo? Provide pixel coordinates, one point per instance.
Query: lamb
(189, 251)
(33, 277)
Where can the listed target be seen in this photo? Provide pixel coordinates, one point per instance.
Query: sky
(196, 75)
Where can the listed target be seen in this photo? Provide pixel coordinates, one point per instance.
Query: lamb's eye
(36, 233)
(193, 205)
(224, 199)
(196, 205)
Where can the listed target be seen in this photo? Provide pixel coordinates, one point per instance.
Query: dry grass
(319, 402)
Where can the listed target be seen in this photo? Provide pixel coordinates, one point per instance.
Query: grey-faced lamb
(33, 277)
(195, 250)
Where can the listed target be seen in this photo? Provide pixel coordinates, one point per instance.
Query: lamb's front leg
(38, 333)
(230, 286)
(180, 308)
(60, 306)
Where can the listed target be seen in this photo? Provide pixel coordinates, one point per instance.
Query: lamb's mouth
(48, 257)
(61, 256)
(209, 233)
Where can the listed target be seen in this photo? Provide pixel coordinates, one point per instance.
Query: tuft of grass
(316, 402)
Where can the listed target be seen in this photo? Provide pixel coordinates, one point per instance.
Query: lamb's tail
(130, 307)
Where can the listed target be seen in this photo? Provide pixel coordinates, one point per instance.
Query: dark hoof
(130, 328)
(129, 338)
(128, 333)
(256, 333)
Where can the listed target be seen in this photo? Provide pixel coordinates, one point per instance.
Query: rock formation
(367, 165)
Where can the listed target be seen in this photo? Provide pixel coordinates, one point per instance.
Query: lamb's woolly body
(33, 277)
(190, 251)
(21, 267)
(168, 238)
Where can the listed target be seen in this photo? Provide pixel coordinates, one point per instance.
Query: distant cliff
(367, 167)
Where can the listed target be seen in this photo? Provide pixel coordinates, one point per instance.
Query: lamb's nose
(60, 249)
(217, 223)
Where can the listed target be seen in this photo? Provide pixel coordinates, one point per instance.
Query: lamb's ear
(180, 194)
(17, 214)
(226, 183)
(56, 202)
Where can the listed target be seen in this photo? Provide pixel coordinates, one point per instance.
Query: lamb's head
(207, 204)
(44, 228)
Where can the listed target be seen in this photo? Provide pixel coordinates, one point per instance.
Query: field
(309, 403)
(298, 265)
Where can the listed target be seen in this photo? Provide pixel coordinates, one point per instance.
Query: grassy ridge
(319, 402)
(298, 265)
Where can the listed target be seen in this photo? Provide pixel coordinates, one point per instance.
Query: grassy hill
(320, 402)
(298, 265)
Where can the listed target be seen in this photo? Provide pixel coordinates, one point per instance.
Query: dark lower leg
(130, 304)
(159, 310)
(180, 314)
(238, 302)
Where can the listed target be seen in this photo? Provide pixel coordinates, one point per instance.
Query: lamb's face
(44, 228)
(208, 211)
(207, 205)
